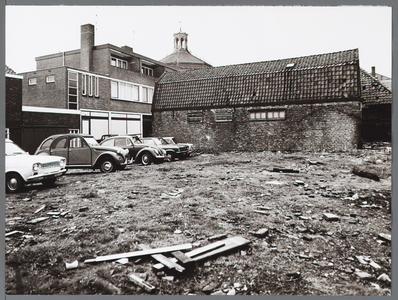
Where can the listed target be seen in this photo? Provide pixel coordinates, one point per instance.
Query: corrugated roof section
(311, 78)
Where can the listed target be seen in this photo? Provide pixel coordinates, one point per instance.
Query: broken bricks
(260, 233)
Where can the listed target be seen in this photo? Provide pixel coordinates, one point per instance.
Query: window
(61, 143)
(267, 115)
(127, 91)
(84, 84)
(32, 81)
(76, 143)
(7, 133)
(50, 78)
(223, 115)
(96, 86)
(72, 90)
(147, 71)
(147, 94)
(119, 63)
(195, 117)
(90, 85)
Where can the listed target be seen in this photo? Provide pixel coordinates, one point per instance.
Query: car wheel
(49, 182)
(171, 156)
(14, 183)
(107, 165)
(146, 159)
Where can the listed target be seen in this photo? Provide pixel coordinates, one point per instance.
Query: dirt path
(91, 214)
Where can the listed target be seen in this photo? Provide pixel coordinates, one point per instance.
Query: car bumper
(40, 177)
(127, 162)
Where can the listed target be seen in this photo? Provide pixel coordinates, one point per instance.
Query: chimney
(374, 71)
(86, 47)
(127, 49)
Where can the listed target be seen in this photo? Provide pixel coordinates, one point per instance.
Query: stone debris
(384, 277)
(331, 217)
(385, 237)
(123, 261)
(365, 174)
(218, 293)
(231, 292)
(375, 265)
(217, 237)
(40, 209)
(363, 275)
(363, 260)
(263, 212)
(298, 182)
(13, 232)
(84, 208)
(285, 170)
(260, 233)
(72, 265)
(168, 278)
(38, 220)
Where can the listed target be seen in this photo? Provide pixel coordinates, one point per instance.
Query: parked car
(172, 140)
(23, 168)
(138, 151)
(83, 151)
(172, 150)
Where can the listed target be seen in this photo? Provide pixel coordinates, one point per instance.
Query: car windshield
(91, 141)
(12, 149)
(169, 140)
(161, 141)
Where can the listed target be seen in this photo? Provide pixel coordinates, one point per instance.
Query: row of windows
(49, 79)
(223, 115)
(147, 71)
(131, 92)
(90, 85)
(123, 64)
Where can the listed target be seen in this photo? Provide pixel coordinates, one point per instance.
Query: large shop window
(72, 90)
(267, 115)
(195, 117)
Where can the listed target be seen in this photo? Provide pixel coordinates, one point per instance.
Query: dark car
(172, 150)
(83, 151)
(172, 140)
(138, 151)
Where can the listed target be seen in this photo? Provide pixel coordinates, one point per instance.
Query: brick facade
(315, 127)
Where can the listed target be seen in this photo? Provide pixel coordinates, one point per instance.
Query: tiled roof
(310, 78)
(373, 91)
(10, 71)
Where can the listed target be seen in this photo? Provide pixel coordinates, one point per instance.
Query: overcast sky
(220, 35)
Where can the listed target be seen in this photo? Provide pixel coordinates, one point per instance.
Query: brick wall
(315, 127)
(13, 102)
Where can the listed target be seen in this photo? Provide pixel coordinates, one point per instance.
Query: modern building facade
(93, 90)
(304, 103)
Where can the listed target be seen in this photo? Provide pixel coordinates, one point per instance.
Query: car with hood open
(138, 151)
(23, 168)
(83, 151)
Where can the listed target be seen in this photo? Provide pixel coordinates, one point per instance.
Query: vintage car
(172, 140)
(83, 151)
(138, 151)
(23, 168)
(172, 150)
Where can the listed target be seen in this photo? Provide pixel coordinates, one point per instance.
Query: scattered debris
(385, 237)
(375, 265)
(168, 262)
(363, 275)
(231, 292)
(72, 265)
(365, 174)
(181, 257)
(218, 293)
(168, 278)
(139, 253)
(310, 162)
(34, 221)
(331, 217)
(298, 182)
(40, 209)
(140, 282)
(260, 233)
(84, 208)
(261, 212)
(13, 232)
(285, 170)
(217, 237)
(274, 182)
(384, 277)
(177, 231)
(123, 261)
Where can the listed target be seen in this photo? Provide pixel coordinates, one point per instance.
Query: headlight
(120, 157)
(62, 163)
(36, 167)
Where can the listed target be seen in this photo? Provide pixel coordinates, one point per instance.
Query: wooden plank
(139, 253)
(212, 249)
(217, 237)
(181, 257)
(140, 282)
(168, 262)
(230, 243)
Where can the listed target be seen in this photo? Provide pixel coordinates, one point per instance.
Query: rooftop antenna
(180, 26)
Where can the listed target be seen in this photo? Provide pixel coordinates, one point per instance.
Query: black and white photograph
(198, 150)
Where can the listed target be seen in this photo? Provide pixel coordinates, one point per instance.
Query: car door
(60, 148)
(79, 152)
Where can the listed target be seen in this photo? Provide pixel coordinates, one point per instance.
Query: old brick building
(95, 90)
(304, 103)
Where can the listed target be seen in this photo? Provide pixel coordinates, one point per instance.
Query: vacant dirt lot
(303, 253)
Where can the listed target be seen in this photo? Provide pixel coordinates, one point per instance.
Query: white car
(23, 168)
